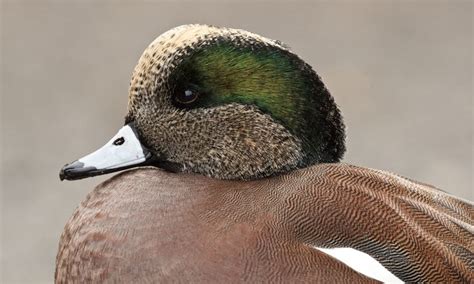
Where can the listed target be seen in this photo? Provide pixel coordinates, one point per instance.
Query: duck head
(221, 102)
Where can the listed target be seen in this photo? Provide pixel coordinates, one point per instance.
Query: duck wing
(416, 231)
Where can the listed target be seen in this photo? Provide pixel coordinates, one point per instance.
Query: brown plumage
(253, 117)
(147, 225)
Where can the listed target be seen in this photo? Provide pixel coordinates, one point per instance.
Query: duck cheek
(123, 151)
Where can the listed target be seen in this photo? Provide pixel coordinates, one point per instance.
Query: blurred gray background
(400, 71)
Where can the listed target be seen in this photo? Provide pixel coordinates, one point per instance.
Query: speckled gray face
(230, 104)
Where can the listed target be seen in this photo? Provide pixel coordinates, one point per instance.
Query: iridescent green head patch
(223, 74)
(273, 79)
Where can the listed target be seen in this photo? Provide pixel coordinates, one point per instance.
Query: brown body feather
(148, 225)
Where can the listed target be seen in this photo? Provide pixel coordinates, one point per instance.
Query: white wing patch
(362, 263)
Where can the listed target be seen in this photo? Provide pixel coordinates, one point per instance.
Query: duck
(230, 171)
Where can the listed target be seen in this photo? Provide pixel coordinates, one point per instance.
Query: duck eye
(187, 97)
(119, 141)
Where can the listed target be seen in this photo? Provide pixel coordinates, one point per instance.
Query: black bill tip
(75, 170)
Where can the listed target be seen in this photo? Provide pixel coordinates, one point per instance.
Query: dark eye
(119, 141)
(187, 97)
